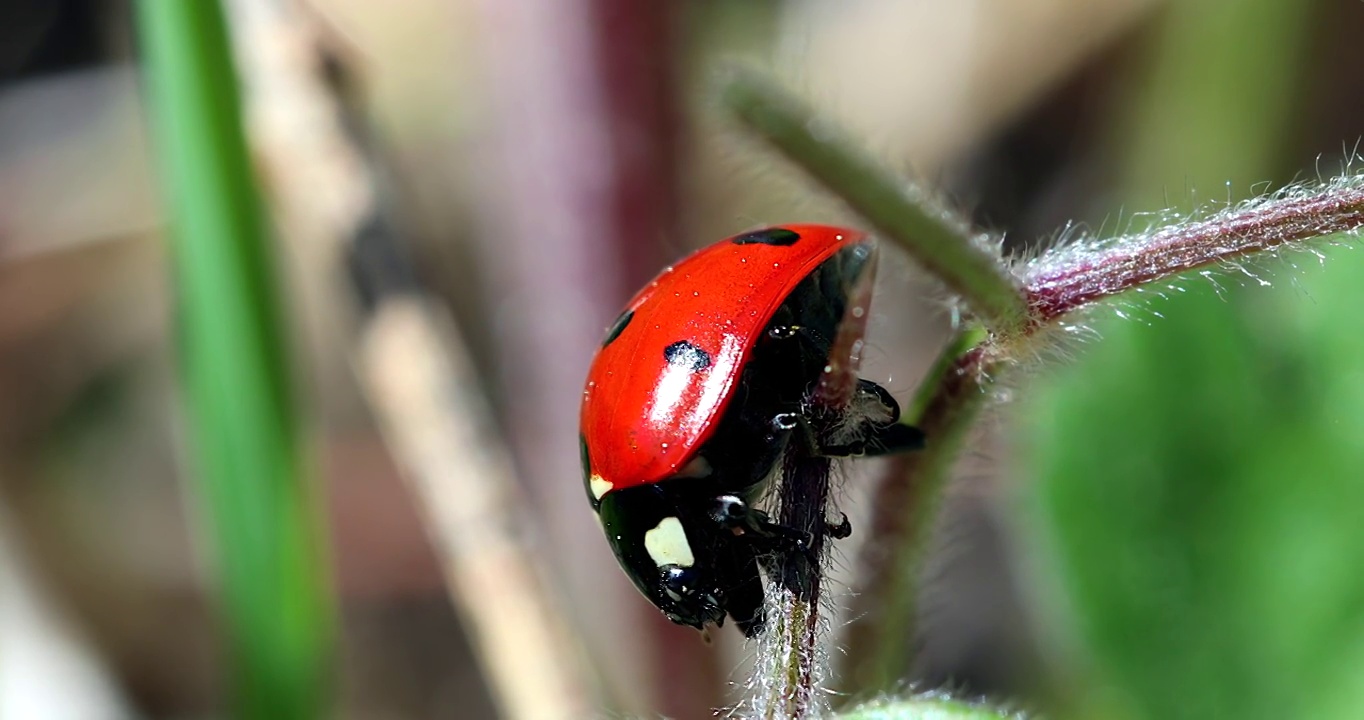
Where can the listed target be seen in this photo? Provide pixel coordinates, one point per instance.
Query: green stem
(261, 516)
(906, 499)
(939, 242)
(961, 342)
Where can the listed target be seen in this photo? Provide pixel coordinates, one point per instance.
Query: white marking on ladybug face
(667, 544)
(599, 486)
(697, 467)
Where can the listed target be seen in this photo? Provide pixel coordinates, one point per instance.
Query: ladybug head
(687, 598)
(694, 570)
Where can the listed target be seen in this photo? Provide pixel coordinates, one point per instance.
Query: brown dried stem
(426, 396)
(416, 375)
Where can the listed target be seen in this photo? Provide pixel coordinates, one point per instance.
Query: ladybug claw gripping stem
(782, 539)
(841, 530)
(732, 513)
(882, 397)
(791, 540)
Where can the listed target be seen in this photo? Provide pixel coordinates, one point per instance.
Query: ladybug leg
(787, 424)
(739, 572)
(772, 537)
(732, 513)
(841, 530)
(884, 435)
(868, 391)
(878, 438)
(893, 439)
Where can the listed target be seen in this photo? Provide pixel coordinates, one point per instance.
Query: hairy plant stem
(789, 687)
(938, 240)
(906, 501)
(1081, 274)
(792, 664)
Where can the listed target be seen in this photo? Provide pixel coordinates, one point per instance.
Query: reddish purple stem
(1071, 279)
(792, 686)
(805, 484)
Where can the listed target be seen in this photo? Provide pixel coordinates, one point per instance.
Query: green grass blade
(260, 514)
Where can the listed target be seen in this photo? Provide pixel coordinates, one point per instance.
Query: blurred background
(538, 161)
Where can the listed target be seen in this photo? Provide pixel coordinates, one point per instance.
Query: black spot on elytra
(618, 327)
(684, 354)
(780, 237)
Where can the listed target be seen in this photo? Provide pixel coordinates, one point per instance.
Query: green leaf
(261, 518)
(928, 707)
(1203, 507)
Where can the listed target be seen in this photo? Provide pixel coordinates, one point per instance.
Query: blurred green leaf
(1198, 476)
(257, 504)
(928, 708)
(1204, 508)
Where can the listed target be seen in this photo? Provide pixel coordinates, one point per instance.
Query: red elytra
(666, 372)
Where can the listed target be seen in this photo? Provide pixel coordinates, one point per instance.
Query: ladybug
(699, 387)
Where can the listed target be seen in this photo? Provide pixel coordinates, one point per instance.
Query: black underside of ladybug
(725, 536)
